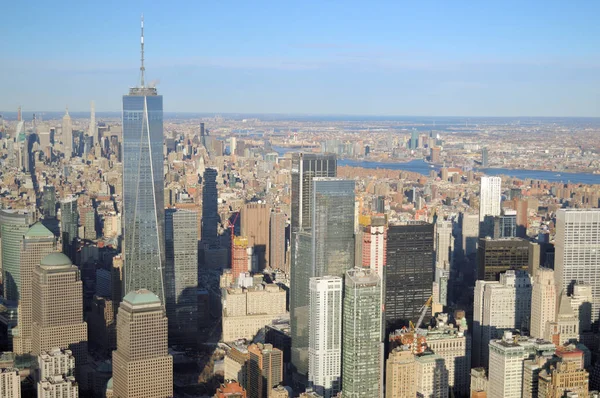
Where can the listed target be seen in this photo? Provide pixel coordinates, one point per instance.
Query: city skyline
(416, 60)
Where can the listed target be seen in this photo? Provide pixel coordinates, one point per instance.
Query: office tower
(581, 302)
(484, 157)
(401, 378)
(67, 135)
(577, 252)
(490, 196)
(432, 376)
(453, 345)
(88, 221)
(49, 202)
(239, 258)
(37, 243)
(92, 130)
(305, 167)
(101, 324)
(248, 310)
(69, 225)
(210, 208)
(409, 273)
(506, 368)
(265, 369)
(543, 302)
(327, 248)
(142, 366)
(325, 337)
(10, 383)
(13, 226)
(495, 256)
(182, 274)
(564, 328)
(505, 226)
(230, 389)
(414, 140)
(255, 227)
(143, 188)
(58, 308)
(56, 378)
(565, 378)
(362, 327)
(435, 155)
(444, 245)
(469, 234)
(499, 306)
(374, 243)
(277, 242)
(235, 363)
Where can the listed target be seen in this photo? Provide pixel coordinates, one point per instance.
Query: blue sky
(320, 57)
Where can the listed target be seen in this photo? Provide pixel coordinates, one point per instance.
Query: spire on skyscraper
(142, 69)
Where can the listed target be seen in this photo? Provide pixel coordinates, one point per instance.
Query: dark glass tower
(409, 273)
(325, 249)
(69, 226)
(210, 208)
(143, 189)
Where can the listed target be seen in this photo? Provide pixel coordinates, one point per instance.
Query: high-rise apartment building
(87, 216)
(374, 243)
(143, 188)
(181, 249)
(490, 196)
(67, 134)
(10, 383)
(327, 248)
(57, 304)
(239, 258)
(499, 306)
(277, 242)
(325, 337)
(56, 370)
(495, 256)
(210, 208)
(69, 225)
(49, 202)
(142, 366)
(543, 302)
(409, 273)
(37, 243)
(401, 377)
(362, 326)
(255, 226)
(265, 370)
(13, 226)
(577, 252)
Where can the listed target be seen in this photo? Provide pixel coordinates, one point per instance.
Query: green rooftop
(38, 230)
(56, 260)
(140, 297)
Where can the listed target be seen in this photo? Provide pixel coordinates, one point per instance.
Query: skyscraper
(255, 227)
(577, 256)
(401, 377)
(265, 370)
(239, 258)
(325, 340)
(543, 302)
(69, 225)
(409, 273)
(57, 304)
(362, 326)
(92, 130)
(37, 243)
(374, 243)
(143, 187)
(490, 196)
(49, 202)
(67, 135)
(182, 274)
(210, 208)
(305, 167)
(277, 242)
(142, 366)
(13, 226)
(327, 248)
(495, 256)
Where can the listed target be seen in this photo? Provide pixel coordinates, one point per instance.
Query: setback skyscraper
(67, 134)
(143, 188)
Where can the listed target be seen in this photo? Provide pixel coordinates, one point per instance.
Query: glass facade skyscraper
(325, 249)
(143, 191)
(13, 226)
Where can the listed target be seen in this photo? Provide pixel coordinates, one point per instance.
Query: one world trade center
(143, 188)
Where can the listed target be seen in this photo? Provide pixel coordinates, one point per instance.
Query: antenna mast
(142, 69)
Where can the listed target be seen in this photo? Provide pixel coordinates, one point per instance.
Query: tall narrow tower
(92, 128)
(143, 187)
(67, 133)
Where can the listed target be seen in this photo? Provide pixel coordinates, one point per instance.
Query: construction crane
(423, 312)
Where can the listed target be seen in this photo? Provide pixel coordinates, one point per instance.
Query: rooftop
(56, 260)
(141, 297)
(38, 230)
